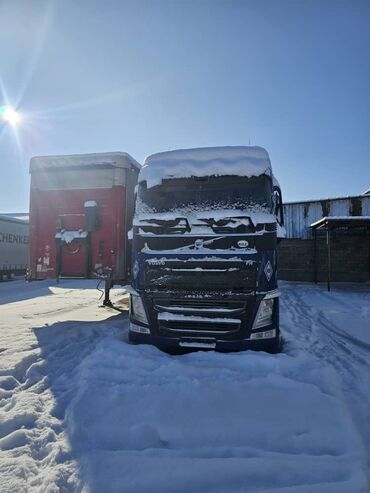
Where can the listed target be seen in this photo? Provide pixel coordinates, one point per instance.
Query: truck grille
(227, 275)
(195, 318)
(224, 307)
(194, 329)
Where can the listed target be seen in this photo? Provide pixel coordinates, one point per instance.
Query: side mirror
(278, 205)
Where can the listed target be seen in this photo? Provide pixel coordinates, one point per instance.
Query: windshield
(226, 192)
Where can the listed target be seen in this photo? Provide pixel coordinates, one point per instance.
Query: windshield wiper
(239, 224)
(178, 225)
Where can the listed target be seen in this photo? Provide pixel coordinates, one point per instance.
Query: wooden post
(315, 255)
(329, 255)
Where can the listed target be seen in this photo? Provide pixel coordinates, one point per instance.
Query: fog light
(267, 334)
(139, 329)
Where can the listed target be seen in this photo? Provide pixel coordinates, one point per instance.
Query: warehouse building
(349, 244)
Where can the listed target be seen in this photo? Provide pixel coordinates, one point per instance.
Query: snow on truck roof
(205, 161)
(109, 159)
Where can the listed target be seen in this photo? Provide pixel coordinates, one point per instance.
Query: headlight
(264, 314)
(137, 309)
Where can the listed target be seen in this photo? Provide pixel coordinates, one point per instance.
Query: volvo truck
(204, 263)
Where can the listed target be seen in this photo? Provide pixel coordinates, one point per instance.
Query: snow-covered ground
(81, 410)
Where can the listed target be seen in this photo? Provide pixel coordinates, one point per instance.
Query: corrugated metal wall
(299, 215)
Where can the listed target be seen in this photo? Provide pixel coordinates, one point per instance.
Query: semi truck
(13, 246)
(204, 263)
(81, 207)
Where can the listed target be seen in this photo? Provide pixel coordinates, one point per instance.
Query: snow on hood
(206, 161)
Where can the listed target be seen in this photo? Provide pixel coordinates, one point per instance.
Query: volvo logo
(243, 244)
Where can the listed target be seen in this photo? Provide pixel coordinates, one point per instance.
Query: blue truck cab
(204, 263)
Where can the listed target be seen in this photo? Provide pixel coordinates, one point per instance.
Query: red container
(81, 209)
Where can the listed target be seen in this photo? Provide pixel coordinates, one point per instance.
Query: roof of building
(340, 221)
(329, 199)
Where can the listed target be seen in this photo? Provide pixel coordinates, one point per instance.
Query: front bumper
(167, 343)
(222, 323)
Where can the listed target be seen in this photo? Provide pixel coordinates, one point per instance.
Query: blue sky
(144, 76)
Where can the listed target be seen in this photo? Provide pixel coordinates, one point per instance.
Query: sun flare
(10, 115)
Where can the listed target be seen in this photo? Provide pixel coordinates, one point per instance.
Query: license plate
(202, 345)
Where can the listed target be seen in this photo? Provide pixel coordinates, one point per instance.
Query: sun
(10, 115)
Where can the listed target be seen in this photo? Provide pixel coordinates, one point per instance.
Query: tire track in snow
(327, 343)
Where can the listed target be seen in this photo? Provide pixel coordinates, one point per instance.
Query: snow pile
(207, 161)
(84, 411)
(149, 422)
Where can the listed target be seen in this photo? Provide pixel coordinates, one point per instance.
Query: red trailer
(81, 209)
